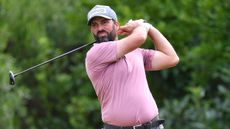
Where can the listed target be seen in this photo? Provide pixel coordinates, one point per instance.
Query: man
(117, 68)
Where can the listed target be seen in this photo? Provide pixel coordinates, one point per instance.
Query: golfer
(116, 68)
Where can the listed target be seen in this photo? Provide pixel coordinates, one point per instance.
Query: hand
(129, 27)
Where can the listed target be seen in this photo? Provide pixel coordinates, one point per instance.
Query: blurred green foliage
(194, 94)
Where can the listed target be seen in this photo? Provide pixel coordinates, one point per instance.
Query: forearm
(161, 43)
(140, 32)
(137, 36)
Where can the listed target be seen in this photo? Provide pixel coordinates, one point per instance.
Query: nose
(99, 27)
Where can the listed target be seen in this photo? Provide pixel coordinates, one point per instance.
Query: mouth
(102, 34)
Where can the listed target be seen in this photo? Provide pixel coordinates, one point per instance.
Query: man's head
(101, 11)
(103, 23)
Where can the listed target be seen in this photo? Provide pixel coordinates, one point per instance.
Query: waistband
(155, 122)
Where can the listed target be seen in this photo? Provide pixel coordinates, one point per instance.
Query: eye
(105, 22)
(93, 24)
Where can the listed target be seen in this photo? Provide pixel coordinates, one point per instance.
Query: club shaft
(52, 59)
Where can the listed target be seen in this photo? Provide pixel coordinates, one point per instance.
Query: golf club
(12, 75)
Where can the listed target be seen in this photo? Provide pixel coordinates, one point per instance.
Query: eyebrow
(104, 19)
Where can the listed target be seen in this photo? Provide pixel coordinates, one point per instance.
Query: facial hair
(110, 36)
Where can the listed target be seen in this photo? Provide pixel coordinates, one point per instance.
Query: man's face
(104, 29)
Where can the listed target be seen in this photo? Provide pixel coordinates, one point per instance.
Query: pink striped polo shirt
(121, 84)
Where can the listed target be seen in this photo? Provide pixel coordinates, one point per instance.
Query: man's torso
(120, 85)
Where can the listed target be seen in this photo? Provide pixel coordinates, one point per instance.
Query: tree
(60, 95)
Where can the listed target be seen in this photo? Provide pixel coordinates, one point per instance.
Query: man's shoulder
(99, 49)
(104, 46)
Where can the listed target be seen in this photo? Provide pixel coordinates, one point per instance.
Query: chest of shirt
(131, 62)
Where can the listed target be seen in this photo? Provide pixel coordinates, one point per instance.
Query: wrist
(147, 26)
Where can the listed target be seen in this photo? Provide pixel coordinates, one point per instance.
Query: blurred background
(59, 95)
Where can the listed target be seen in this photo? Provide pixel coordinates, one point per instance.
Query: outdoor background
(193, 95)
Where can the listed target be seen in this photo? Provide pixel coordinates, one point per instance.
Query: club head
(12, 79)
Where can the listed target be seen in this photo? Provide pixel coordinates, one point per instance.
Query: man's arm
(137, 36)
(165, 55)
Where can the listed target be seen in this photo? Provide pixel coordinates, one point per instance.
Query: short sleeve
(147, 57)
(101, 55)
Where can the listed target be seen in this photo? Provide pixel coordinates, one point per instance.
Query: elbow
(139, 35)
(175, 60)
(140, 38)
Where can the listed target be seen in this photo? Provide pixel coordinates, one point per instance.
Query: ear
(117, 25)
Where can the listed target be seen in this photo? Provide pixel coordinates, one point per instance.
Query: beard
(110, 36)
